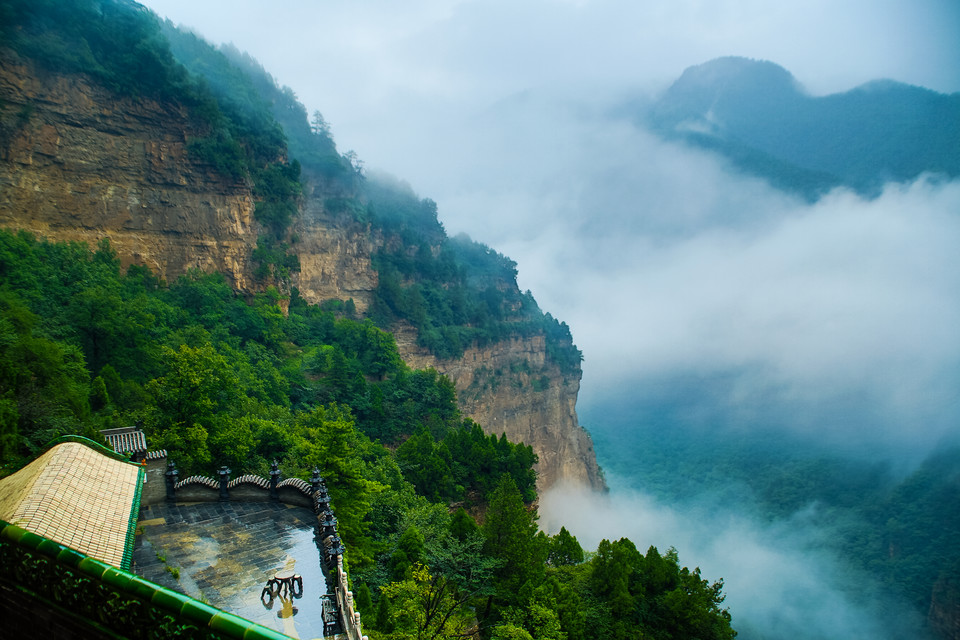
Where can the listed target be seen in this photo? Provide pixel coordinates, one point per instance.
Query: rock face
(79, 163)
(334, 256)
(944, 615)
(510, 387)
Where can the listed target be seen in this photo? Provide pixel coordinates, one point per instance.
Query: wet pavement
(226, 551)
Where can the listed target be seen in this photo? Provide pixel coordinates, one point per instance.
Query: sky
(835, 321)
(375, 68)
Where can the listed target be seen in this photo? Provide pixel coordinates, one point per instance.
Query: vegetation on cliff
(454, 291)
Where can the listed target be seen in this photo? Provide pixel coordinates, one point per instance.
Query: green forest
(217, 379)
(438, 517)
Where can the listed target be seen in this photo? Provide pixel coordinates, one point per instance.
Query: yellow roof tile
(76, 496)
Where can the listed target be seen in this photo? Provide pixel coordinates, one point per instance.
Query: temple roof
(80, 496)
(126, 439)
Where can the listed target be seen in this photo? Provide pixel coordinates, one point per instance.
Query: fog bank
(779, 580)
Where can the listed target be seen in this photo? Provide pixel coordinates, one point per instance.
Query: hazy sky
(375, 67)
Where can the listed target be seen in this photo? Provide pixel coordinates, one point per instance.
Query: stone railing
(246, 488)
(50, 590)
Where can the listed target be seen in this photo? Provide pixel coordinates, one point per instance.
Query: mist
(836, 320)
(780, 579)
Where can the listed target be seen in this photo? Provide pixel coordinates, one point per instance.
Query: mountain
(757, 115)
(115, 126)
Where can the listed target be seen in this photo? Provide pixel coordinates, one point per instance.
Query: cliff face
(79, 163)
(510, 387)
(944, 615)
(334, 255)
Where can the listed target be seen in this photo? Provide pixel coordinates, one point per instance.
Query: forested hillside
(439, 518)
(895, 532)
(757, 115)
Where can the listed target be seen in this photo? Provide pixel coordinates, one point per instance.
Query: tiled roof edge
(132, 522)
(96, 446)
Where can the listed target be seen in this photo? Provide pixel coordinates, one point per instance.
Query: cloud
(843, 300)
(836, 319)
(779, 580)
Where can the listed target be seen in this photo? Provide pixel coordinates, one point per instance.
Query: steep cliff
(944, 614)
(80, 162)
(511, 387)
(335, 253)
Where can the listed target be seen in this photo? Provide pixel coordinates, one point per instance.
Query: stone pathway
(225, 552)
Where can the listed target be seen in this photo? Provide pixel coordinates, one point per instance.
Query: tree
(319, 126)
(564, 549)
(653, 593)
(409, 553)
(326, 438)
(510, 533)
(462, 526)
(534, 620)
(423, 607)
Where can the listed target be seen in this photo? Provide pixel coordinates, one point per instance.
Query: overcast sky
(375, 66)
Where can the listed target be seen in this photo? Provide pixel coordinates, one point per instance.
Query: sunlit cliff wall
(78, 162)
(511, 387)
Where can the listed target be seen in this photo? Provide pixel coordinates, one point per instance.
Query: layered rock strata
(80, 163)
(511, 387)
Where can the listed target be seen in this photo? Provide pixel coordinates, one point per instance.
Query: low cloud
(836, 320)
(779, 580)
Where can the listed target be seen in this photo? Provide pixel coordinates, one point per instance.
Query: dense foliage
(216, 379)
(118, 44)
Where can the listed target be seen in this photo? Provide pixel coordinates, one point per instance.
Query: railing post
(224, 474)
(171, 476)
(316, 480)
(274, 480)
(321, 501)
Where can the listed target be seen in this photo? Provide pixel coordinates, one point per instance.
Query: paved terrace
(225, 553)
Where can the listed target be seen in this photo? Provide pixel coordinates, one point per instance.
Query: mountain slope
(757, 115)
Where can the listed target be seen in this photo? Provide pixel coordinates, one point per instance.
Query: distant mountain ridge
(759, 116)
